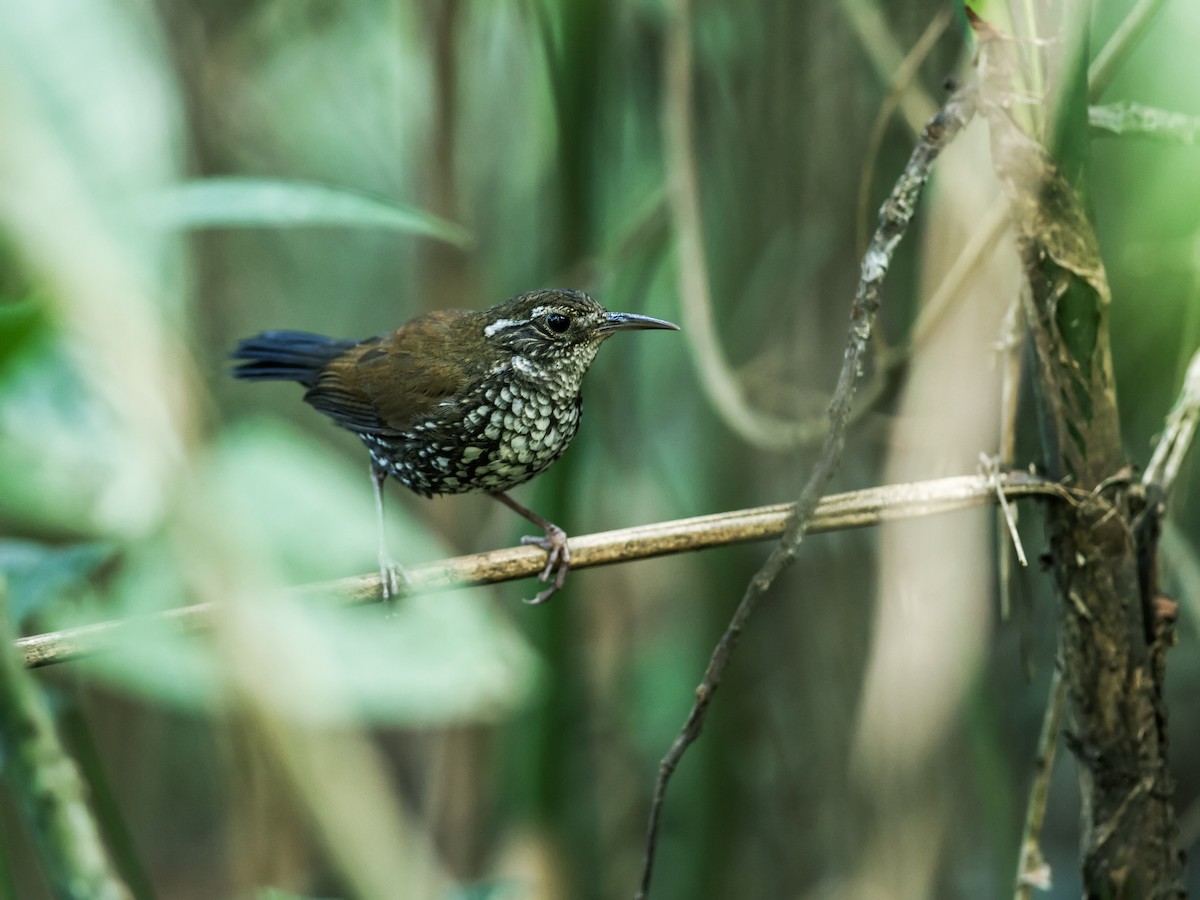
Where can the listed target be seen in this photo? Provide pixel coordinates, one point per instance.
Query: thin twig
(855, 509)
(886, 56)
(898, 71)
(1113, 55)
(894, 218)
(1032, 869)
(900, 82)
(981, 241)
(1128, 119)
(1009, 352)
(990, 467)
(717, 377)
(1177, 437)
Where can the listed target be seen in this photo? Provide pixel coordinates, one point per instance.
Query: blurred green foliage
(435, 659)
(176, 176)
(261, 203)
(38, 574)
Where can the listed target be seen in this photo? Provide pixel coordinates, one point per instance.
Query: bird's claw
(393, 580)
(558, 561)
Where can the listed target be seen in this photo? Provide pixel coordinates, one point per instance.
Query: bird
(455, 400)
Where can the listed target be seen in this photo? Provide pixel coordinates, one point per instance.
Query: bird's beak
(617, 321)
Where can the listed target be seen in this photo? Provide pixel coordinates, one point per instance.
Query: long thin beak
(617, 321)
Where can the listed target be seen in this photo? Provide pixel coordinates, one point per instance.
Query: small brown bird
(456, 400)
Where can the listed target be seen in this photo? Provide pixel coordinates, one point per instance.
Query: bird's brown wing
(388, 384)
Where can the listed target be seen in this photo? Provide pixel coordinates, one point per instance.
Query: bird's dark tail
(286, 356)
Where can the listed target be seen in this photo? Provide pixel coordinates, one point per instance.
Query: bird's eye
(558, 323)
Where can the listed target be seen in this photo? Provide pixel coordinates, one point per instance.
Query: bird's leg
(558, 561)
(391, 576)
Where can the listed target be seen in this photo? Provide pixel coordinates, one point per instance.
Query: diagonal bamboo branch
(855, 509)
(894, 218)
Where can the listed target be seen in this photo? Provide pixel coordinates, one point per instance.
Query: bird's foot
(558, 560)
(393, 581)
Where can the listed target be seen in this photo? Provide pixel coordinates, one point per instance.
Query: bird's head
(556, 333)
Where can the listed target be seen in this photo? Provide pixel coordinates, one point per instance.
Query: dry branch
(894, 218)
(1032, 869)
(855, 509)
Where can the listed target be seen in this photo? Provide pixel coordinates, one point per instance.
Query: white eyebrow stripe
(503, 324)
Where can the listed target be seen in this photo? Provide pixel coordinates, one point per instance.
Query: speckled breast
(490, 439)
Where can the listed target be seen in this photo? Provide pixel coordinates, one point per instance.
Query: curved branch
(717, 377)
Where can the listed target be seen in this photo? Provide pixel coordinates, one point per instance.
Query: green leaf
(310, 512)
(306, 515)
(257, 203)
(23, 321)
(60, 452)
(37, 575)
(436, 660)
